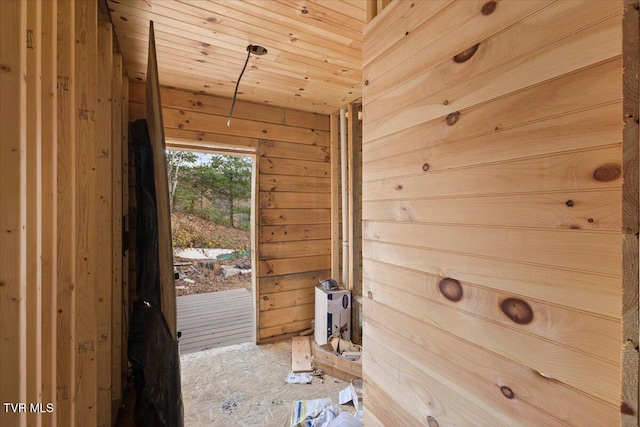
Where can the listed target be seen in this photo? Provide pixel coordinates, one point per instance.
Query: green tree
(177, 161)
(231, 180)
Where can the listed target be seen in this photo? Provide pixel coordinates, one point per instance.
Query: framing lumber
(630, 197)
(156, 134)
(49, 206)
(86, 49)
(34, 208)
(13, 268)
(117, 127)
(66, 205)
(104, 268)
(354, 184)
(126, 276)
(335, 197)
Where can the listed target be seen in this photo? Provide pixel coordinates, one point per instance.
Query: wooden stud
(34, 208)
(354, 181)
(126, 282)
(66, 205)
(86, 212)
(13, 268)
(372, 9)
(335, 197)
(104, 270)
(630, 197)
(116, 229)
(49, 206)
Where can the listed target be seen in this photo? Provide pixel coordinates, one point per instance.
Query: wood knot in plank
(569, 203)
(451, 289)
(5, 68)
(432, 422)
(517, 310)
(626, 409)
(466, 54)
(489, 7)
(608, 172)
(453, 118)
(507, 392)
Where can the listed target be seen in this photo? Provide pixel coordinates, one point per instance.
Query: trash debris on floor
(321, 413)
(299, 378)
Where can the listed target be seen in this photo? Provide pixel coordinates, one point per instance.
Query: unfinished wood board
(301, 354)
(156, 134)
(86, 199)
(117, 129)
(66, 244)
(630, 315)
(126, 284)
(49, 201)
(13, 168)
(335, 196)
(470, 89)
(104, 278)
(528, 386)
(34, 207)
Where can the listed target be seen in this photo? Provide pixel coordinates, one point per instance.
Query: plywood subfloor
(244, 385)
(214, 320)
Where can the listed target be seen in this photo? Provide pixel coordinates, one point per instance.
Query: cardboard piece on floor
(301, 354)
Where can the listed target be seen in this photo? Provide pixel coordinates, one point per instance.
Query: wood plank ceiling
(314, 60)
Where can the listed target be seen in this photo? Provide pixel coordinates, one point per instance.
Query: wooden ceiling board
(314, 59)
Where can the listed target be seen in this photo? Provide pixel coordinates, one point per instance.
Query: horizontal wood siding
(294, 200)
(492, 210)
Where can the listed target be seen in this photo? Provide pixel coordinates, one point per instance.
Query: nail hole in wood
(366, 82)
(453, 118)
(489, 7)
(590, 220)
(425, 167)
(569, 203)
(608, 172)
(517, 310)
(370, 295)
(431, 422)
(507, 392)
(446, 102)
(451, 289)
(466, 54)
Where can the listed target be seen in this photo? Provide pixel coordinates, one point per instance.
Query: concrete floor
(245, 385)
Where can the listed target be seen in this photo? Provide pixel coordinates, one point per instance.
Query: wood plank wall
(56, 288)
(492, 207)
(294, 203)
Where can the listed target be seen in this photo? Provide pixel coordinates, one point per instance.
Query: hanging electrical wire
(257, 50)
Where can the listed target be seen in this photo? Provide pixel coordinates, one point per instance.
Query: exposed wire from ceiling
(256, 50)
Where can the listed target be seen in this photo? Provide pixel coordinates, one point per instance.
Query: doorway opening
(212, 198)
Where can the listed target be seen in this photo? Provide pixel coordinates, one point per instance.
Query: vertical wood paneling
(293, 214)
(86, 48)
(104, 273)
(66, 204)
(34, 209)
(439, 242)
(335, 196)
(49, 206)
(13, 181)
(126, 281)
(117, 170)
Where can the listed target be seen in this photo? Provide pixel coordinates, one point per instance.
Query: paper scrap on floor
(321, 413)
(299, 378)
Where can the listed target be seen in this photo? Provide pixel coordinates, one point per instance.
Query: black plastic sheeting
(153, 352)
